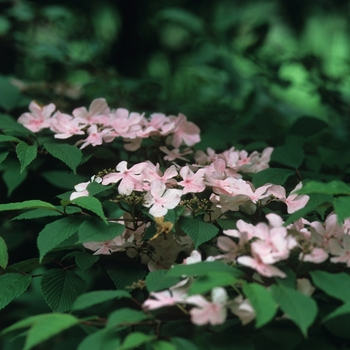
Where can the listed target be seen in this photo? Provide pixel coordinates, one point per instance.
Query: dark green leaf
(134, 340)
(333, 187)
(92, 204)
(28, 265)
(12, 285)
(4, 256)
(100, 340)
(36, 213)
(12, 175)
(26, 154)
(182, 343)
(163, 345)
(342, 208)
(8, 138)
(10, 94)
(60, 288)
(276, 176)
(291, 156)
(126, 315)
(126, 274)
(31, 204)
(63, 179)
(157, 280)
(83, 260)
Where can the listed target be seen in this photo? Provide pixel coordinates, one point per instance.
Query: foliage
(166, 237)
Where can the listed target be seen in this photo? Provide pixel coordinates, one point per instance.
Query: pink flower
(165, 298)
(116, 244)
(81, 190)
(97, 114)
(39, 118)
(65, 126)
(95, 137)
(213, 312)
(243, 309)
(175, 153)
(192, 182)
(159, 199)
(131, 179)
(184, 132)
(296, 201)
(342, 251)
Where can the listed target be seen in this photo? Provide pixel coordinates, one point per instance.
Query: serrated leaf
(100, 340)
(36, 213)
(56, 232)
(314, 202)
(28, 265)
(83, 260)
(47, 327)
(94, 230)
(126, 274)
(26, 154)
(301, 309)
(199, 231)
(227, 224)
(125, 315)
(333, 187)
(70, 155)
(92, 204)
(60, 288)
(4, 256)
(134, 340)
(342, 208)
(3, 155)
(12, 285)
(157, 280)
(337, 285)
(276, 176)
(204, 284)
(291, 156)
(31, 204)
(264, 305)
(8, 138)
(97, 297)
(163, 345)
(96, 188)
(12, 176)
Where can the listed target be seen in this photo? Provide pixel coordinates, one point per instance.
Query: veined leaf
(157, 280)
(31, 204)
(337, 285)
(27, 265)
(60, 288)
(4, 256)
(94, 230)
(12, 285)
(92, 204)
(291, 156)
(199, 231)
(277, 176)
(8, 138)
(36, 213)
(3, 155)
(26, 154)
(134, 340)
(70, 155)
(264, 305)
(126, 274)
(101, 340)
(82, 259)
(301, 309)
(56, 232)
(126, 315)
(97, 297)
(333, 187)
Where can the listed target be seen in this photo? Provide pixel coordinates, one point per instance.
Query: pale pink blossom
(65, 126)
(159, 199)
(195, 257)
(243, 309)
(152, 172)
(214, 312)
(317, 256)
(39, 118)
(204, 158)
(296, 201)
(259, 161)
(175, 153)
(95, 137)
(165, 298)
(97, 114)
(81, 190)
(341, 252)
(192, 182)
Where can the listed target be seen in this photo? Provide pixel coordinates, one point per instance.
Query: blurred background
(243, 70)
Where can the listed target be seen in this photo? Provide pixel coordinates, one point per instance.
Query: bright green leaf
(94, 230)
(83, 260)
(36, 213)
(264, 306)
(56, 232)
(92, 298)
(4, 256)
(342, 208)
(199, 231)
(301, 309)
(8, 138)
(26, 154)
(336, 285)
(92, 204)
(60, 288)
(134, 340)
(101, 340)
(332, 188)
(31, 204)
(12, 285)
(163, 345)
(70, 155)
(126, 315)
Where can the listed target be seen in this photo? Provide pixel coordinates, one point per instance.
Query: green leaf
(4, 256)
(26, 154)
(62, 179)
(94, 230)
(126, 274)
(134, 340)
(340, 311)
(56, 232)
(31, 204)
(125, 315)
(276, 176)
(3, 155)
(199, 231)
(83, 260)
(9, 96)
(8, 124)
(92, 204)
(12, 285)
(182, 343)
(8, 138)
(100, 340)
(12, 176)
(163, 345)
(264, 305)
(157, 280)
(60, 288)
(28, 265)
(333, 187)
(336, 285)
(93, 298)
(227, 224)
(36, 213)
(342, 208)
(288, 155)
(204, 284)
(315, 201)
(300, 308)
(70, 155)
